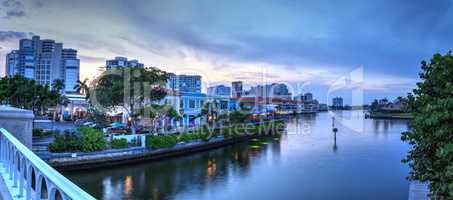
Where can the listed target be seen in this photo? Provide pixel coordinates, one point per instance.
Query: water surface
(306, 163)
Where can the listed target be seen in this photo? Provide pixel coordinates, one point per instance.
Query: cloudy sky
(313, 46)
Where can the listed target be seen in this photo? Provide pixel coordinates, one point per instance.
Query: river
(364, 162)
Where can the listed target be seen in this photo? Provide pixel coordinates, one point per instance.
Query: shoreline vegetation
(167, 146)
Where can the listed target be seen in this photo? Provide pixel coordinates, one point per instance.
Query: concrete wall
(18, 122)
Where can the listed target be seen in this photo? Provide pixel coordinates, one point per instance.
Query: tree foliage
(84, 139)
(82, 87)
(21, 92)
(431, 133)
(131, 89)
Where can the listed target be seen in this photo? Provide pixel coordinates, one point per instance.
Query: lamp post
(335, 130)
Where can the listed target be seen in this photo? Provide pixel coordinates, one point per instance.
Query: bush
(37, 132)
(119, 143)
(91, 139)
(157, 142)
(64, 143)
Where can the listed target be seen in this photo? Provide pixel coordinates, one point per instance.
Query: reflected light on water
(128, 185)
(210, 171)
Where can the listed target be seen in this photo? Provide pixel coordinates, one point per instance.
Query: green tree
(58, 85)
(21, 92)
(431, 133)
(130, 89)
(82, 87)
(155, 113)
(237, 117)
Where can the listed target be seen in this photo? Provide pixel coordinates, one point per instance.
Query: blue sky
(309, 45)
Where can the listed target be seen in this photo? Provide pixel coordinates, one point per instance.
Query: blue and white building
(190, 107)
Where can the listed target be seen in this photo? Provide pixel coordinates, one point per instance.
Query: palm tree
(82, 88)
(58, 85)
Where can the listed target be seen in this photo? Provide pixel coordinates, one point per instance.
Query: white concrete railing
(29, 177)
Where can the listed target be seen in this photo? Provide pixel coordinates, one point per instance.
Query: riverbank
(383, 115)
(128, 157)
(108, 158)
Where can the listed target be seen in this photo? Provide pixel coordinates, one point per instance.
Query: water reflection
(386, 125)
(335, 147)
(303, 164)
(164, 180)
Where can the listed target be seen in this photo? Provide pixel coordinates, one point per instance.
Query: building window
(191, 103)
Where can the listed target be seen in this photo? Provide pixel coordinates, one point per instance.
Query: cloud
(12, 4)
(14, 13)
(13, 9)
(91, 59)
(295, 40)
(14, 35)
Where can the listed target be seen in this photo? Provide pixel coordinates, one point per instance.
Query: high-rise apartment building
(12, 60)
(44, 61)
(184, 83)
(123, 62)
(237, 89)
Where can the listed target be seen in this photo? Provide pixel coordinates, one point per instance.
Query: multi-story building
(302, 98)
(122, 62)
(337, 103)
(12, 60)
(190, 107)
(189, 83)
(271, 90)
(237, 89)
(219, 91)
(172, 82)
(71, 65)
(44, 61)
(184, 83)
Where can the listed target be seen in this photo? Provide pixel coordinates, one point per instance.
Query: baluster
(38, 184)
(51, 190)
(10, 161)
(22, 175)
(15, 166)
(2, 149)
(64, 196)
(5, 161)
(29, 178)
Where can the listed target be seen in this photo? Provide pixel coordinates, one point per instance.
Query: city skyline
(295, 43)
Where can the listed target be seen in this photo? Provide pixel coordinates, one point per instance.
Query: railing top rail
(62, 183)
